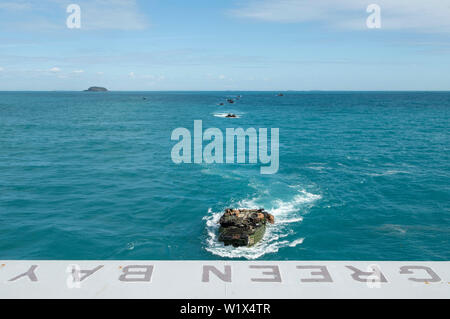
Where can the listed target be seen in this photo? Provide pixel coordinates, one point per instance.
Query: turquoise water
(363, 176)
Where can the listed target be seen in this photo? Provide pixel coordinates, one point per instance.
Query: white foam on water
(221, 173)
(297, 242)
(224, 115)
(317, 168)
(388, 172)
(292, 220)
(286, 213)
(395, 228)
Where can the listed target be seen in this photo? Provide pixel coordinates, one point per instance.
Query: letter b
(137, 273)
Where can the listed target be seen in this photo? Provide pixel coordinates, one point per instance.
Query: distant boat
(280, 94)
(96, 89)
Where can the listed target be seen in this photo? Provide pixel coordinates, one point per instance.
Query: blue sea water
(363, 176)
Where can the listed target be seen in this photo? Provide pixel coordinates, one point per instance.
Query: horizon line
(314, 90)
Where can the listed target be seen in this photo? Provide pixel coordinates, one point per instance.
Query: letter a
(374, 20)
(74, 20)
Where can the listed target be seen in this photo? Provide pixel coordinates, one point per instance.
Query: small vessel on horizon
(96, 89)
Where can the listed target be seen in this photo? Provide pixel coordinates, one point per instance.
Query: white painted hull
(224, 279)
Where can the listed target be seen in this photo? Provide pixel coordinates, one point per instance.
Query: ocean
(362, 176)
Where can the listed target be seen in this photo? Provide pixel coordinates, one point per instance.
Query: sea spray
(276, 236)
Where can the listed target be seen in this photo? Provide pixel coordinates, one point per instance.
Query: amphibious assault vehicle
(243, 227)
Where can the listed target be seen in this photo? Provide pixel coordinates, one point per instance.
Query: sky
(156, 45)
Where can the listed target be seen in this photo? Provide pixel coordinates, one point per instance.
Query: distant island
(96, 89)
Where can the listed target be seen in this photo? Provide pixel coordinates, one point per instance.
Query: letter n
(225, 276)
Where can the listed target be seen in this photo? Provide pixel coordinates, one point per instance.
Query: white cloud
(78, 71)
(95, 14)
(15, 6)
(153, 78)
(422, 16)
(1, 69)
(100, 73)
(55, 69)
(220, 77)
